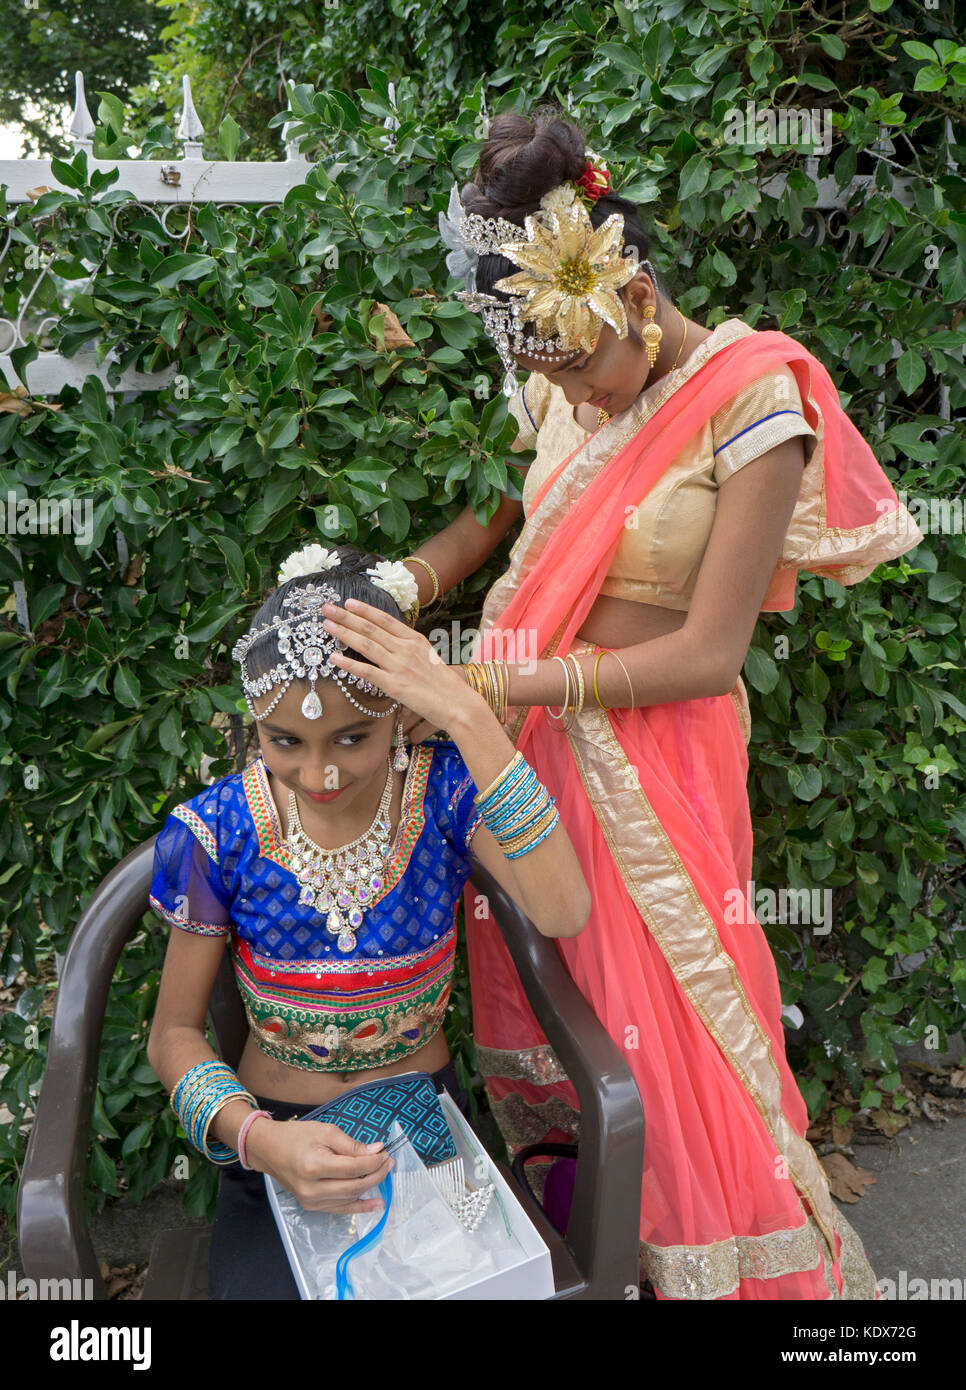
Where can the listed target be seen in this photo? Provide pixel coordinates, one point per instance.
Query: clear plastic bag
(423, 1251)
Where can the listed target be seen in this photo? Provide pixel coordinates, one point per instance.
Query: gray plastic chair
(596, 1259)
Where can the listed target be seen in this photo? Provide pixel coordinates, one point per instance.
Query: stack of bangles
(198, 1097)
(517, 809)
(491, 680)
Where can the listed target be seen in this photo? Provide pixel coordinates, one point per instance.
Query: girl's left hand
(398, 660)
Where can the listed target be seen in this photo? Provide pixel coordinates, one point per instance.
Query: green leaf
(805, 782)
(103, 1170)
(944, 588)
(277, 495)
(911, 371)
(694, 177)
(234, 559)
(230, 136)
(66, 174)
(760, 670)
(136, 1138)
(127, 688)
(181, 266)
(833, 45)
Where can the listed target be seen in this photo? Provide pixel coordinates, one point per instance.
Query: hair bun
(521, 160)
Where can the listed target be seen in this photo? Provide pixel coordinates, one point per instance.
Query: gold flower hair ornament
(572, 272)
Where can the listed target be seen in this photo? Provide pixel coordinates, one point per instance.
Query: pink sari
(735, 1204)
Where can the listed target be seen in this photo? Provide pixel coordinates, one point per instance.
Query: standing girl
(682, 478)
(333, 868)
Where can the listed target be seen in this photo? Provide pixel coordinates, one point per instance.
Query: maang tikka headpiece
(305, 645)
(571, 271)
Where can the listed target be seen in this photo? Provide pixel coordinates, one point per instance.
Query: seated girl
(334, 868)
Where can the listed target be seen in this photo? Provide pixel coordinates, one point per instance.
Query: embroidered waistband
(343, 1026)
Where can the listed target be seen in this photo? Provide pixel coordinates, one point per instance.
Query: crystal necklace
(342, 880)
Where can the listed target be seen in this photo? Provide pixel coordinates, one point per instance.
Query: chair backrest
(600, 1258)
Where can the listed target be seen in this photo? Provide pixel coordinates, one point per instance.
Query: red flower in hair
(594, 182)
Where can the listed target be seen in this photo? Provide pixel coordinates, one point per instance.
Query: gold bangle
(557, 718)
(577, 681)
(503, 672)
(624, 669)
(471, 671)
(481, 796)
(526, 837)
(437, 587)
(580, 685)
(220, 1105)
(600, 653)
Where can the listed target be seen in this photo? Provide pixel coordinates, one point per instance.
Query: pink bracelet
(245, 1126)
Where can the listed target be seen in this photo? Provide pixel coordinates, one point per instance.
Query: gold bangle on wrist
(557, 719)
(500, 776)
(630, 687)
(579, 676)
(600, 653)
(437, 587)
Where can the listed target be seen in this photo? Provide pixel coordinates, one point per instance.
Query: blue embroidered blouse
(221, 868)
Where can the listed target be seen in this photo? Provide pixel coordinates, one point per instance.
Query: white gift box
(515, 1262)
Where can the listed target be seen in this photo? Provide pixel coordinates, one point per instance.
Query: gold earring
(652, 335)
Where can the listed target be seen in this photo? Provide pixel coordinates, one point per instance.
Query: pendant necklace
(341, 882)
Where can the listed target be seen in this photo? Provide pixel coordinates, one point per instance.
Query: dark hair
(349, 580)
(522, 159)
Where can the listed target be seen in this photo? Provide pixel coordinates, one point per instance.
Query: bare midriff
(263, 1076)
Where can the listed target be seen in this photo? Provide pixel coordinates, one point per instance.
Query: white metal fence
(159, 186)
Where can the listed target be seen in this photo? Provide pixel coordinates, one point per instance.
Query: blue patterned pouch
(366, 1113)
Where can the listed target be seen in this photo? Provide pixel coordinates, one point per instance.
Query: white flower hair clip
(394, 578)
(391, 576)
(309, 560)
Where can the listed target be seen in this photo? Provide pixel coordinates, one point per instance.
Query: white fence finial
(190, 129)
(81, 127)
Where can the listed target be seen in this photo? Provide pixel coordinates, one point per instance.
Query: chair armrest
(604, 1226)
(52, 1229)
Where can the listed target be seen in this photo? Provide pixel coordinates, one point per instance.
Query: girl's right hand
(321, 1166)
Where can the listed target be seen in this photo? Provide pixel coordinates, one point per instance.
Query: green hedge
(289, 410)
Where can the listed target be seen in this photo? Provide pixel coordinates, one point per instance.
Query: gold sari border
(522, 1124)
(703, 1273)
(538, 1065)
(684, 930)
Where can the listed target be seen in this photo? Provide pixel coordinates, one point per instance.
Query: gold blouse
(659, 555)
